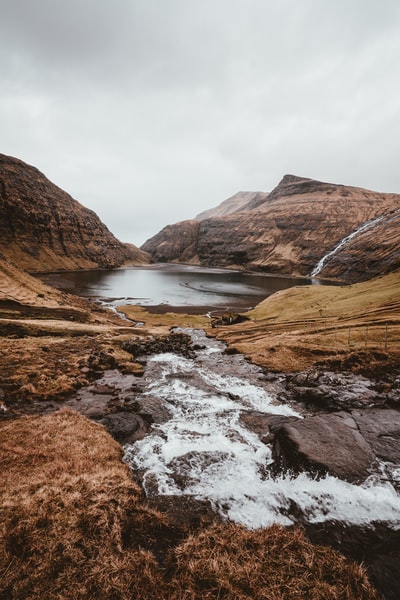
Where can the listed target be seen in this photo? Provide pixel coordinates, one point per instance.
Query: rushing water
(177, 285)
(346, 240)
(206, 450)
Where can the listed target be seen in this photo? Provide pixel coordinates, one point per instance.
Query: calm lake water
(175, 285)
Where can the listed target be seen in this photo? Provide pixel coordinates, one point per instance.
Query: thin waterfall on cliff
(346, 240)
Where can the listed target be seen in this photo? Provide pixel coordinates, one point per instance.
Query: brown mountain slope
(18, 286)
(299, 222)
(374, 250)
(238, 202)
(42, 228)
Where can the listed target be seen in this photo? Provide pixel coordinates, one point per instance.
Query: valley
(191, 403)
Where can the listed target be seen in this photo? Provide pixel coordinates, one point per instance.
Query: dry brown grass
(233, 563)
(50, 367)
(74, 526)
(71, 516)
(295, 328)
(160, 323)
(17, 285)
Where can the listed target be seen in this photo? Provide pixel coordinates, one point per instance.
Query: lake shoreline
(175, 287)
(213, 309)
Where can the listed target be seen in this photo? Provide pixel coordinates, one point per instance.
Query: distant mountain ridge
(43, 229)
(237, 203)
(289, 230)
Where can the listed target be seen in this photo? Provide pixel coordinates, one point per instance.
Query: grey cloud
(151, 111)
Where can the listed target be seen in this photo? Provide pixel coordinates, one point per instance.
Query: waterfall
(346, 240)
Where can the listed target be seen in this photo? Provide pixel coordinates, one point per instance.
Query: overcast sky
(151, 111)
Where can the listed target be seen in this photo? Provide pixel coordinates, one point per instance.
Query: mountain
(43, 229)
(289, 230)
(238, 202)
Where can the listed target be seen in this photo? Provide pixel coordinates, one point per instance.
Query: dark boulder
(228, 318)
(179, 343)
(265, 425)
(329, 443)
(343, 444)
(381, 429)
(333, 391)
(125, 426)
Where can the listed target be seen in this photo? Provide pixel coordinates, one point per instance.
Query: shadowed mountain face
(42, 228)
(289, 230)
(374, 251)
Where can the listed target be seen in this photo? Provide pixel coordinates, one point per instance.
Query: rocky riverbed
(315, 448)
(206, 430)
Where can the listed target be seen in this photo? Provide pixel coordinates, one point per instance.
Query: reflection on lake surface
(176, 285)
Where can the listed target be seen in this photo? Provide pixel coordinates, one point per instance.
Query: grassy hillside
(294, 328)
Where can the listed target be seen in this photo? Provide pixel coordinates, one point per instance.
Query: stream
(203, 448)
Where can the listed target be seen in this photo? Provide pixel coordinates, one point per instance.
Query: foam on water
(206, 451)
(251, 395)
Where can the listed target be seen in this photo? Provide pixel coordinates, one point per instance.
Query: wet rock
(155, 409)
(264, 425)
(179, 343)
(228, 318)
(181, 466)
(333, 391)
(344, 444)
(328, 398)
(125, 427)
(111, 393)
(93, 409)
(329, 443)
(103, 389)
(381, 429)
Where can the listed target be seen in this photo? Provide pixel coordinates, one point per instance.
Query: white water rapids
(206, 451)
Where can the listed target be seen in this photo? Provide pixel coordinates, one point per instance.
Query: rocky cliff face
(42, 228)
(373, 251)
(289, 230)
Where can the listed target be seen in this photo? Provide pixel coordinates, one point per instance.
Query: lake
(175, 285)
